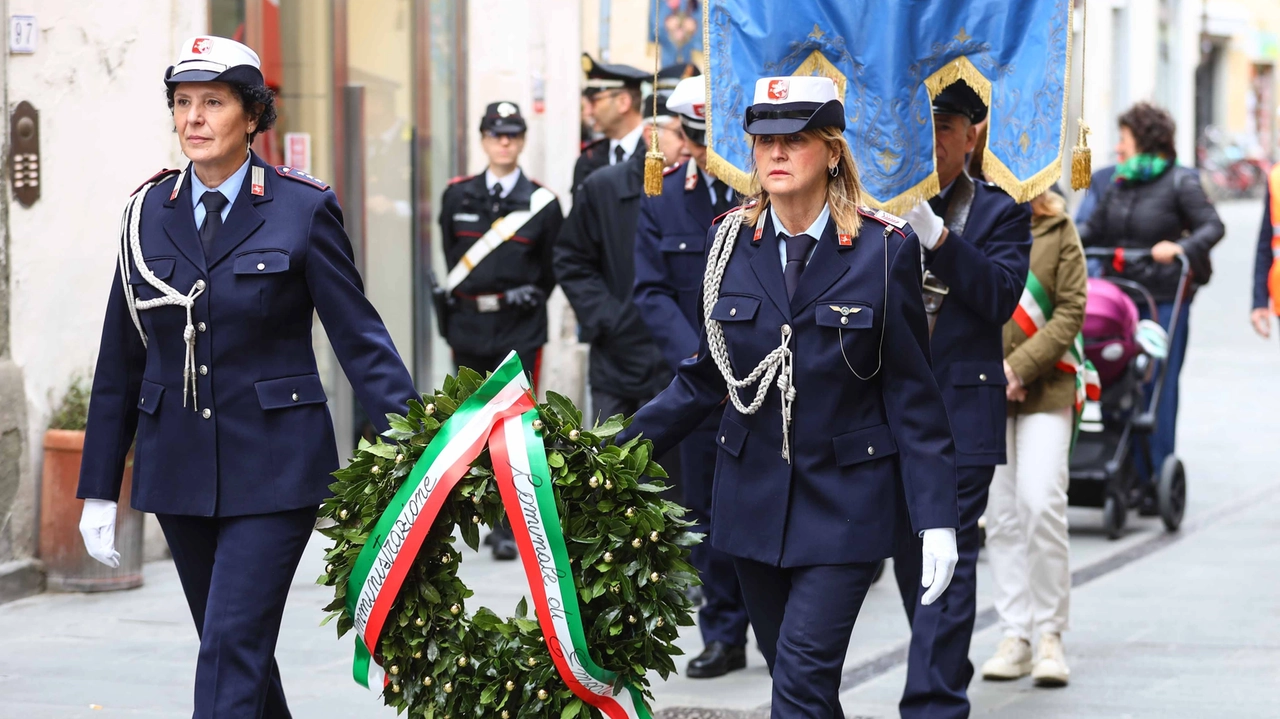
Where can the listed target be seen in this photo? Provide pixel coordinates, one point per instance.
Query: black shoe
(717, 660)
(504, 550)
(490, 539)
(694, 595)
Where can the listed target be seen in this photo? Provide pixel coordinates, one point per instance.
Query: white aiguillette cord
(777, 363)
(131, 245)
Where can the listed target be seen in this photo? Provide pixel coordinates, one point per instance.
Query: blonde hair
(1048, 204)
(844, 191)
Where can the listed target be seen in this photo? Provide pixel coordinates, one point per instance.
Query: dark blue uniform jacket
(267, 444)
(671, 238)
(869, 457)
(1262, 261)
(986, 269)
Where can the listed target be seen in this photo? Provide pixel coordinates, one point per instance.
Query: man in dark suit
(614, 94)
(977, 244)
(670, 259)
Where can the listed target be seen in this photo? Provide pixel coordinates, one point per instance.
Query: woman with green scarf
(1154, 204)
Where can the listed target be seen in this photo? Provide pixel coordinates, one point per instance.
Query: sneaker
(1012, 660)
(1051, 664)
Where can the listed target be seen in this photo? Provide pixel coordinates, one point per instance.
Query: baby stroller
(1115, 430)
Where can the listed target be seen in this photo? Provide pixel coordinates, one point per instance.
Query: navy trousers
(938, 666)
(236, 573)
(1166, 430)
(723, 617)
(803, 618)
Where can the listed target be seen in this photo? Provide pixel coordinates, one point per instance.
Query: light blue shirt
(815, 231)
(230, 189)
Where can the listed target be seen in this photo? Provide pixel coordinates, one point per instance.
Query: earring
(834, 171)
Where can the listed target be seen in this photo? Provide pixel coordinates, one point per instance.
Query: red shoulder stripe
(743, 206)
(294, 173)
(459, 178)
(155, 178)
(882, 218)
(672, 169)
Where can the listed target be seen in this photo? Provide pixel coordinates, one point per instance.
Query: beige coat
(1058, 261)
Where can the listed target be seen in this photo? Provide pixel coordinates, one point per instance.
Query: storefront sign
(297, 150)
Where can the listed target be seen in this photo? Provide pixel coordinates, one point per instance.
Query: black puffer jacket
(1171, 207)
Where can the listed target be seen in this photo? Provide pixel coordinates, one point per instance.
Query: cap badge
(506, 109)
(779, 89)
(700, 111)
(202, 46)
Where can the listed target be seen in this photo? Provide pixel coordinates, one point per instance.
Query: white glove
(98, 527)
(940, 558)
(927, 225)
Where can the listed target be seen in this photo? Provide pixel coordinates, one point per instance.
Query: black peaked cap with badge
(605, 76)
(503, 118)
(960, 99)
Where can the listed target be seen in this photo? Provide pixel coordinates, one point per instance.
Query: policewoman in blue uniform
(206, 353)
(670, 259)
(835, 438)
(977, 243)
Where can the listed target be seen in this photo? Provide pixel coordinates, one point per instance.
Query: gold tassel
(654, 162)
(1081, 160)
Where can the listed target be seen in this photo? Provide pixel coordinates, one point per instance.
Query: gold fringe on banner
(1081, 155)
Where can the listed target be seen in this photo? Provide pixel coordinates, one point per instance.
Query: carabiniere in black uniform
(501, 304)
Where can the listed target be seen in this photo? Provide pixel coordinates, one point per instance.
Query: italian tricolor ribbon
(1035, 309)
(500, 415)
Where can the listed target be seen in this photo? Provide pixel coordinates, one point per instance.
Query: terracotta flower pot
(69, 567)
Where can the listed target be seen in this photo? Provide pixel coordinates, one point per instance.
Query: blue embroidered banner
(889, 59)
(678, 26)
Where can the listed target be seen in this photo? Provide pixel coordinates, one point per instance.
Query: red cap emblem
(778, 89)
(700, 111)
(202, 46)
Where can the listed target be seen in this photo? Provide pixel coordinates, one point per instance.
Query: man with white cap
(206, 358)
(670, 258)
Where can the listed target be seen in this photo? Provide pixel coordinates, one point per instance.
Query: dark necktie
(797, 252)
(213, 202)
(938, 204)
(495, 195)
(619, 155)
(724, 199)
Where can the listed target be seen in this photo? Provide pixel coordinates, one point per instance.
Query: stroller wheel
(1171, 493)
(1114, 514)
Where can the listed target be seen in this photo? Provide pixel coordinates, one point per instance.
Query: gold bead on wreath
(395, 688)
(631, 512)
(462, 661)
(475, 519)
(506, 714)
(426, 682)
(399, 458)
(608, 484)
(430, 409)
(533, 661)
(420, 622)
(448, 687)
(655, 577)
(574, 435)
(455, 609)
(637, 543)
(542, 694)
(593, 482)
(659, 622)
(631, 618)
(615, 589)
(342, 514)
(394, 670)
(608, 557)
(445, 559)
(654, 536)
(328, 569)
(376, 469)
(537, 425)
(417, 654)
(510, 686)
(475, 499)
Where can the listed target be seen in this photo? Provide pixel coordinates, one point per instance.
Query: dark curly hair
(251, 98)
(1153, 129)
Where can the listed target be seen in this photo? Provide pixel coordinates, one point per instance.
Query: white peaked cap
(207, 58)
(795, 88)
(689, 99)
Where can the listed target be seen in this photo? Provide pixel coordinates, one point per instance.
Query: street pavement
(1163, 625)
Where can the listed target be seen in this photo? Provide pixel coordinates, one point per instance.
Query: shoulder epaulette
(156, 178)
(744, 206)
(673, 168)
(459, 178)
(883, 217)
(294, 173)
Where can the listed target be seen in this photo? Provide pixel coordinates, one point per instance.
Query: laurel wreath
(627, 545)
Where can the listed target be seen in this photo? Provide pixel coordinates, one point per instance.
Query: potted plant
(68, 566)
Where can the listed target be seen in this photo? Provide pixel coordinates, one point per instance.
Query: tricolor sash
(499, 415)
(1035, 309)
(503, 229)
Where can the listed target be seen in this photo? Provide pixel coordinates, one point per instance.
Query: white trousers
(1027, 526)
